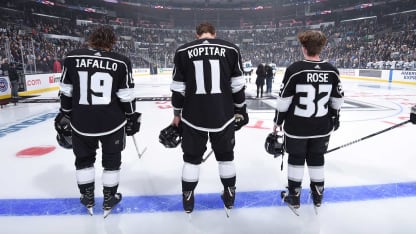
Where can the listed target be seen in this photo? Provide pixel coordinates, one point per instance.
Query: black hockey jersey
(208, 83)
(97, 87)
(308, 91)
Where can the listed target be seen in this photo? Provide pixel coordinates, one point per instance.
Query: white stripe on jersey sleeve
(239, 105)
(336, 103)
(126, 95)
(178, 86)
(66, 89)
(237, 83)
(177, 109)
(283, 103)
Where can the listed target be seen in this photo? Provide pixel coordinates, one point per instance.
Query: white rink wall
(39, 83)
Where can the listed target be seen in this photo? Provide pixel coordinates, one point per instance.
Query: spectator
(261, 75)
(269, 78)
(57, 66)
(5, 67)
(14, 80)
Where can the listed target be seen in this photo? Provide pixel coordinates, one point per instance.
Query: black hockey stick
(206, 157)
(366, 137)
(137, 148)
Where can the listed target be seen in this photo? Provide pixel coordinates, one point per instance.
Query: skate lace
(188, 201)
(89, 193)
(110, 200)
(317, 194)
(108, 197)
(294, 197)
(228, 196)
(87, 198)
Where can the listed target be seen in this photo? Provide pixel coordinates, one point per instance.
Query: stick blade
(141, 154)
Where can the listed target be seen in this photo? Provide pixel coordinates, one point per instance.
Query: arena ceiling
(213, 3)
(228, 13)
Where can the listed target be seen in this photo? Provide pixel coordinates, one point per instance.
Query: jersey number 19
(100, 85)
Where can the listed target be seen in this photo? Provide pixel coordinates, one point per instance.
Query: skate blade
(189, 216)
(90, 211)
(141, 154)
(107, 212)
(316, 209)
(227, 212)
(292, 208)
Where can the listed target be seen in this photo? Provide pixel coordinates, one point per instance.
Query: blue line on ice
(206, 201)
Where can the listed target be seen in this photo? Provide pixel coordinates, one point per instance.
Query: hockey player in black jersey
(97, 97)
(308, 107)
(208, 98)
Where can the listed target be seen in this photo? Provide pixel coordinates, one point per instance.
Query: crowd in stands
(387, 42)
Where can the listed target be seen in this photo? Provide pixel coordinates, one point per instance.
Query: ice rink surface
(370, 185)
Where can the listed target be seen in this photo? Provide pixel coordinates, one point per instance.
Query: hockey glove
(413, 115)
(64, 129)
(241, 117)
(335, 122)
(335, 118)
(171, 136)
(63, 123)
(133, 123)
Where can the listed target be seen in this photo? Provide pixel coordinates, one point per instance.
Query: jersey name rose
(317, 77)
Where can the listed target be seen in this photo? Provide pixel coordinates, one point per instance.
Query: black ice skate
(87, 199)
(317, 195)
(110, 201)
(292, 199)
(228, 197)
(188, 201)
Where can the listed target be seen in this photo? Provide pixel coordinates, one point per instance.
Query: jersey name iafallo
(97, 87)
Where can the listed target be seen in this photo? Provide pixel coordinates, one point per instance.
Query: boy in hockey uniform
(209, 100)
(97, 98)
(308, 107)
